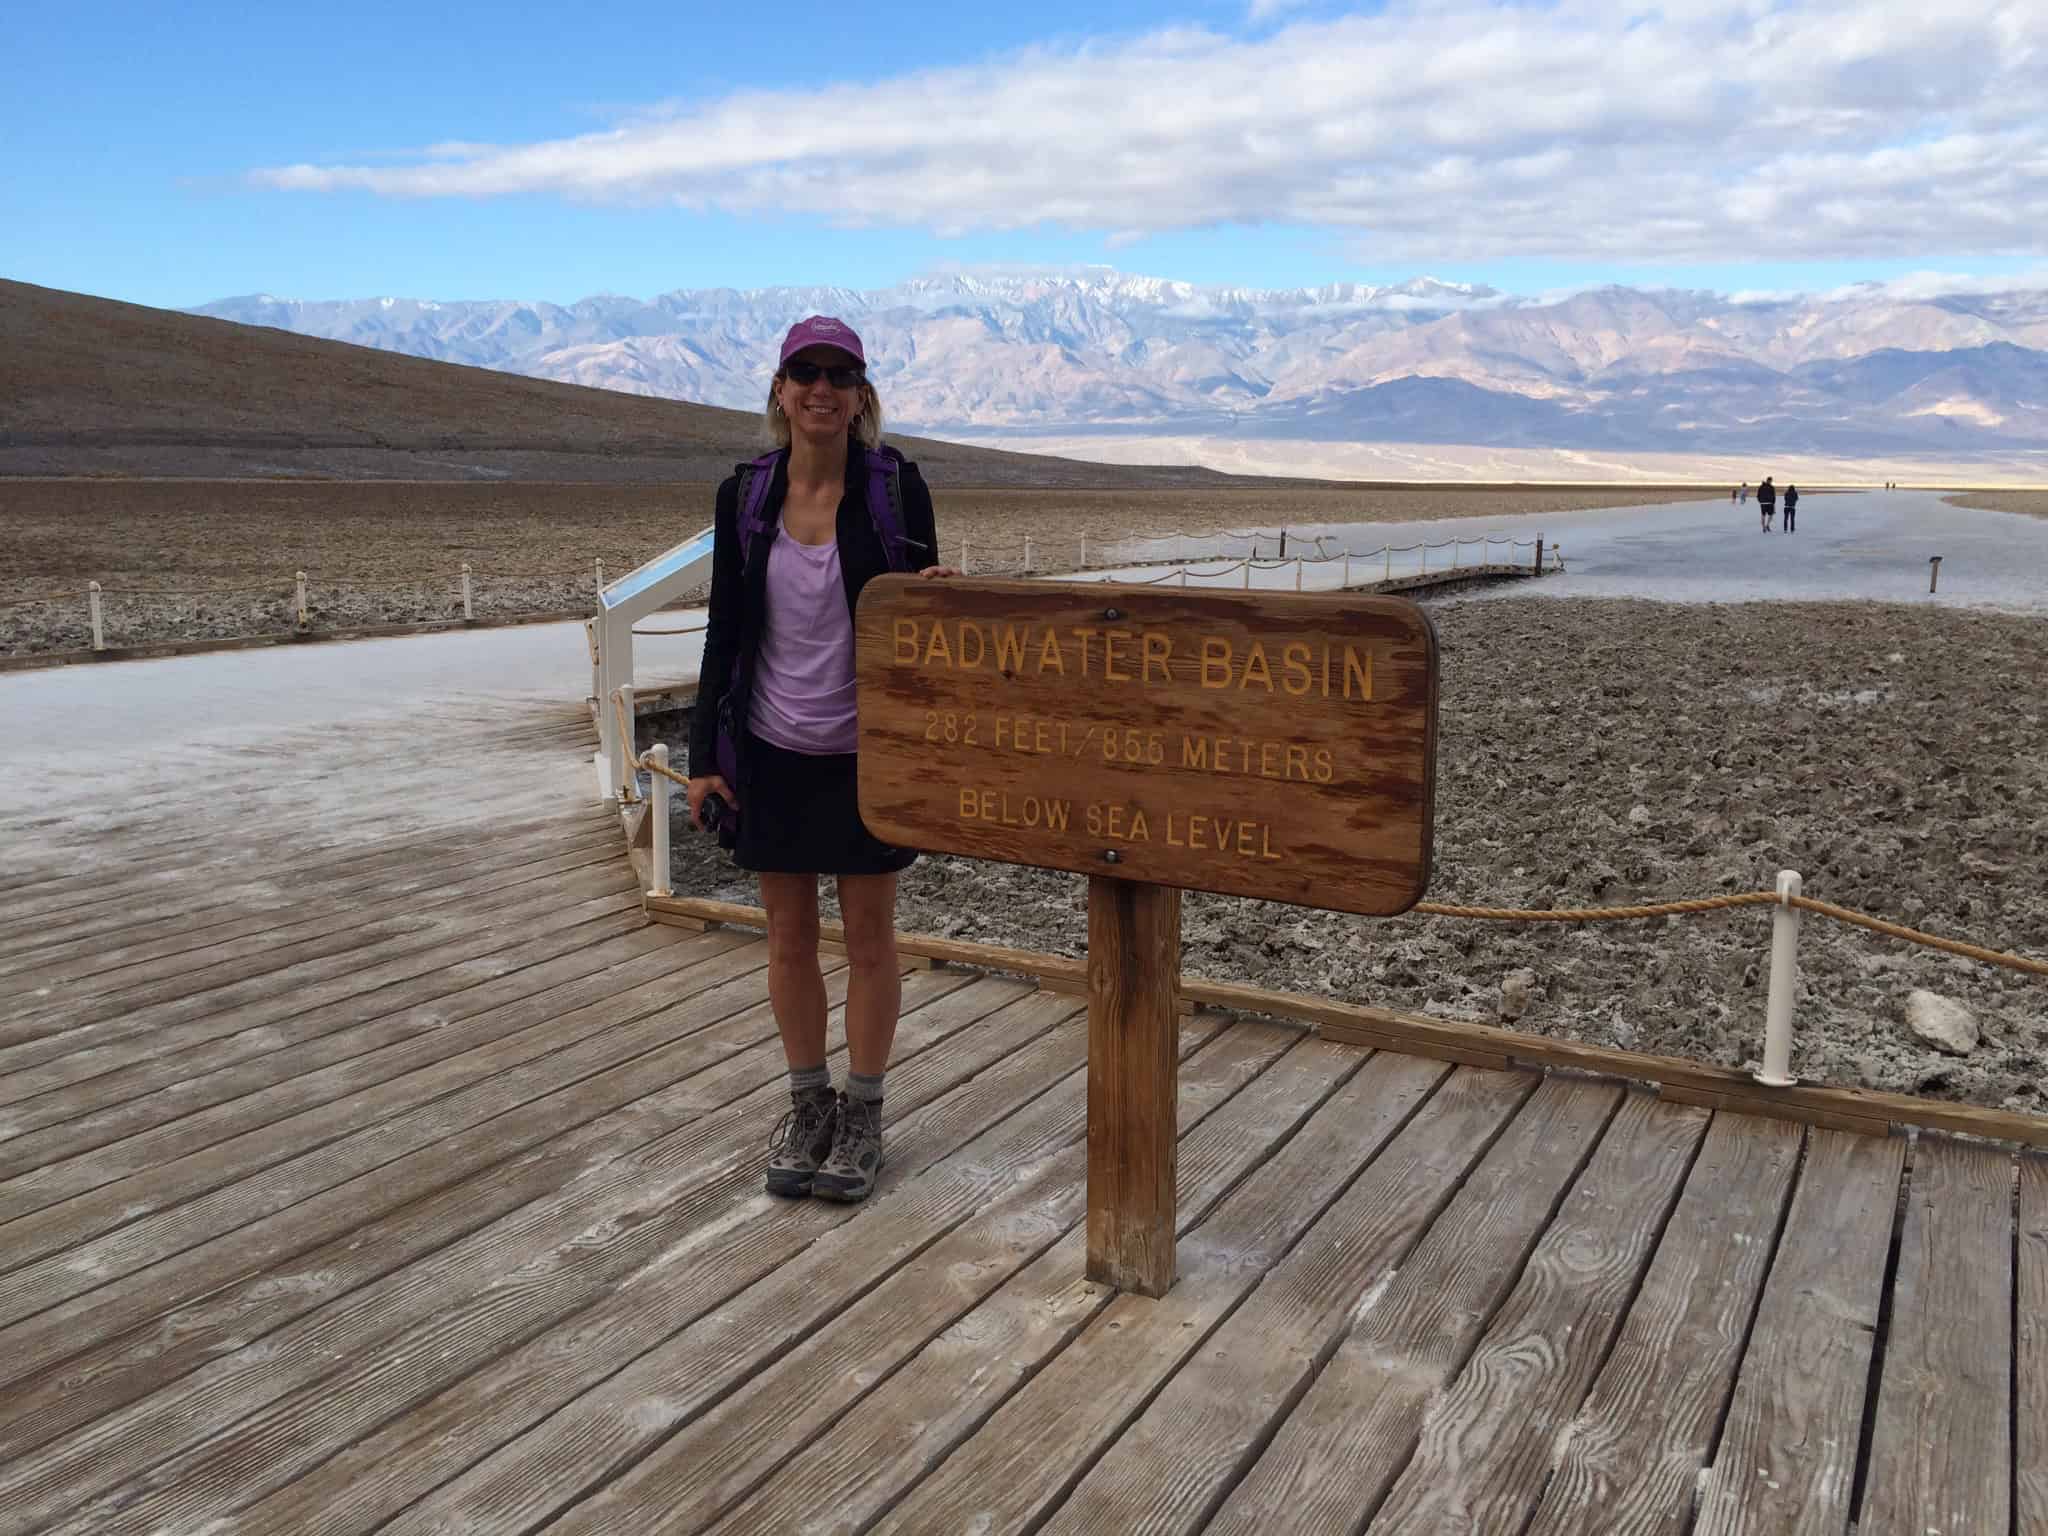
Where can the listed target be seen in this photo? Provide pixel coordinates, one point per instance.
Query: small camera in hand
(718, 817)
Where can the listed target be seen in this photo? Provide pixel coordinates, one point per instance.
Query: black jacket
(738, 598)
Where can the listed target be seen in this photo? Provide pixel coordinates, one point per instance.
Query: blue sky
(172, 155)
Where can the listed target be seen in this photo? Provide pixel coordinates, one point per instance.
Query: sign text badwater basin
(1266, 744)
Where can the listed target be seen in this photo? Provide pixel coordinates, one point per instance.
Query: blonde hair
(867, 425)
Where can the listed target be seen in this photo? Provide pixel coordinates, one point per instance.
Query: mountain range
(1012, 357)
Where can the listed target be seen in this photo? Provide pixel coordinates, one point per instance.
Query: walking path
(368, 1162)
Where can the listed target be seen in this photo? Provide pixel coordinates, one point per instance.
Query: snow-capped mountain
(1022, 354)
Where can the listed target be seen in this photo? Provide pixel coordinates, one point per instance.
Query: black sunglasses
(801, 372)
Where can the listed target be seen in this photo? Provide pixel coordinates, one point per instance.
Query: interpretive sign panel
(1271, 744)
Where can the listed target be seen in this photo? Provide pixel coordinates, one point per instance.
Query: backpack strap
(885, 503)
(885, 506)
(756, 477)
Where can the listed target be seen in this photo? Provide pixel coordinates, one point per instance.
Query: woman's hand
(708, 784)
(932, 571)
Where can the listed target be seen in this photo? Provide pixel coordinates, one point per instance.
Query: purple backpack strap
(757, 476)
(885, 506)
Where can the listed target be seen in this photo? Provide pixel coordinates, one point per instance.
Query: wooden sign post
(1265, 744)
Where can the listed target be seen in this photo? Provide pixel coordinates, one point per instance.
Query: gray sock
(865, 1089)
(805, 1080)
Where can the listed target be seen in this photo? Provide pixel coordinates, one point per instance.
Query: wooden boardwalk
(411, 1183)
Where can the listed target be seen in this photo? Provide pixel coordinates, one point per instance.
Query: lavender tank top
(803, 676)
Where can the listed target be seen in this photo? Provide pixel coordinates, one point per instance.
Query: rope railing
(1725, 903)
(1788, 900)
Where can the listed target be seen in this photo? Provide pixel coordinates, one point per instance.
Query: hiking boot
(802, 1141)
(850, 1171)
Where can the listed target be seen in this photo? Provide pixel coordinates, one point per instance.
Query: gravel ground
(1599, 752)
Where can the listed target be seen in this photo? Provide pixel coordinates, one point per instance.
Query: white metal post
(599, 565)
(92, 597)
(1027, 554)
(1247, 575)
(1084, 549)
(1454, 552)
(1183, 575)
(1425, 559)
(302, 599)
(1297, 573)
(1777, 1072)
(1390, 561)
(622, 752)
(1347, 570)
(659, 881)
(963, 554)
(468, 605)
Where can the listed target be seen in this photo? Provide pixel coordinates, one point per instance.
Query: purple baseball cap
(822, 331)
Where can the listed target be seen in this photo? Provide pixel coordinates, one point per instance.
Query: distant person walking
(1745, 493)
(1791, 506)
(1767, 501)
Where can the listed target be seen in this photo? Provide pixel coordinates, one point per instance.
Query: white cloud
(1699, 130)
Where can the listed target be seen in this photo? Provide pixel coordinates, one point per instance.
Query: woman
(778, 656)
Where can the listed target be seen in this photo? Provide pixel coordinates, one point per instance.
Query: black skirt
(800, 814)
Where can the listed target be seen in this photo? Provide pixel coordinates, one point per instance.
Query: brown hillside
(91, 386)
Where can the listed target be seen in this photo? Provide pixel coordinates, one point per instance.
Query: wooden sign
(1278, 745)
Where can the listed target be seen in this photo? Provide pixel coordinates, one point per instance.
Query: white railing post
(1084, 550)
(1297, 573)
(658, 876)
(302, 599)
(1425, 557)
(1777, 1072)
(963, 554)
(1454, 552)
(622, 751)
(92, 598)
(598, 565)
(1027, 554)
(1347, 570)
(1247, 575)
(1183, 575)
(468, 605)
(1390, 562)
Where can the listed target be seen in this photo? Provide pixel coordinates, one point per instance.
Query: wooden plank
(1224, 1385)
(1632, 1459)
(1940, 1448)
(797, 1313)
(446, 912)
(126, 1097)
(378, 1083)
(292, 853)
(129, 938)
(97, 1049)
(1763, 1106)
(472, 1299)
(207, 952)
(1178, 1459)
(1345, 1440)
(1787, 1458)
(186, 863)
(161, 1210)
(2030, 1418)
(1486, 1446)
(677, 920)
(1133, 962)
(277, 1270)
(1266, 1156)
(1376, 1026)
(703, 1248)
